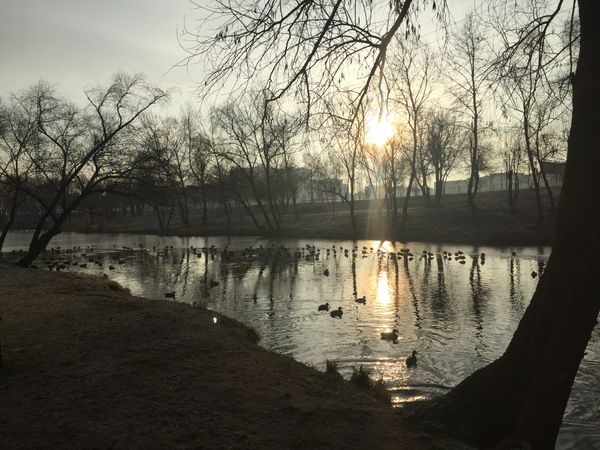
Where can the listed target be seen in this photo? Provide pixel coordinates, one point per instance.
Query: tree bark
(523, 394)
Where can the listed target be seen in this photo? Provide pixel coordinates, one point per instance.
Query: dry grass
(86, 365)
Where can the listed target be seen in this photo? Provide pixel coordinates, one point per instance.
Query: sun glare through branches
(379, 128)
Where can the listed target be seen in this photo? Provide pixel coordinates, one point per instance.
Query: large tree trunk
(40, 239)
(523, 394)
(11, 216)
(38, 246)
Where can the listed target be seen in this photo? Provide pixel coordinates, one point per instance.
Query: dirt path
(86, 365)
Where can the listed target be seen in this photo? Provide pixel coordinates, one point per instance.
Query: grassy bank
(88, 365)
(452, 222)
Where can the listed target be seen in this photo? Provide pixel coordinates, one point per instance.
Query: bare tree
(81, 150)
(521, 85)
(304, 48)
(547, 112)
(443, 148)
(469, 61)
(152, 182)
(253, 136)
(164, 141)
(286, 132)
(346, 142)
(200, 168)
(18, 132)
(199, 151)
(394, 167)
(511, 159)
(413, 73)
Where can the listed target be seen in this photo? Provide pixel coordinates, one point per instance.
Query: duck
(170, 294)
(390, 335)
(534, 274)
(213, 283)
(411, 361)
(323, 307)
(362, 300)
(337, 313)
(326, 272)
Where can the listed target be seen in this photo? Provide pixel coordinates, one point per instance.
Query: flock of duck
(391, 336)
(59, 259)
(80, 257)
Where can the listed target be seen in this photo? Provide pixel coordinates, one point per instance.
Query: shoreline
(88, 365)
(451, 222)
(495, 240)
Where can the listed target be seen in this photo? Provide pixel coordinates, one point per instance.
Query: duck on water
(411, 361)
(390, 335)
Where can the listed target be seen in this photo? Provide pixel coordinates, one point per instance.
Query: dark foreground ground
(451, 222)
(86, 365)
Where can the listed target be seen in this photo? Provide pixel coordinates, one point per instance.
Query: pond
(457, 305)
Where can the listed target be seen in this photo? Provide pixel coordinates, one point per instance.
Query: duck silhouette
(323, 307)
(337, 313)
(411, 361)
(390, 335)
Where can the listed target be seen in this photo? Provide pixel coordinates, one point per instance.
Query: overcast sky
(78, 43)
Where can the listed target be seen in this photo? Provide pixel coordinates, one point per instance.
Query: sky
(79, 43)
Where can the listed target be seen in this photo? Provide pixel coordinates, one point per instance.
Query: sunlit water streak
(459, 317)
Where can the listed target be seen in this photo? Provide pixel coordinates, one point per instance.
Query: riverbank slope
(88, 365)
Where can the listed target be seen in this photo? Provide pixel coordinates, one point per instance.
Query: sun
(379, 128)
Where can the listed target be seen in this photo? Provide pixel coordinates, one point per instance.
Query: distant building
(499, 182)
(555, 172)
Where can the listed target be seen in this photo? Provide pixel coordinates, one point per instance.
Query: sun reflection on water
(384, 295)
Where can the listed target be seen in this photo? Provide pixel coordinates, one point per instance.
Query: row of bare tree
(55, 156)
(246, 152)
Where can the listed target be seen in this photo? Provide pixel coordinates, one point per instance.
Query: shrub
(331, 369)
(361, 377)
